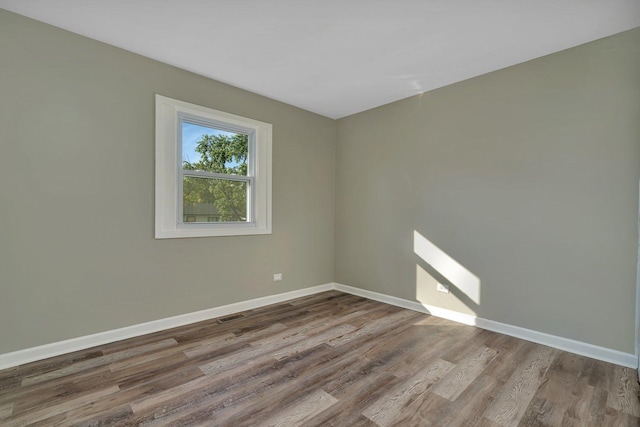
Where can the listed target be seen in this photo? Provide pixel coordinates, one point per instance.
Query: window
(213, 172)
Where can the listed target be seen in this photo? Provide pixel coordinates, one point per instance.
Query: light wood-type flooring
(329, 359)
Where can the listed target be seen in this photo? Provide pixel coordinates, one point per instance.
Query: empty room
(304, 213)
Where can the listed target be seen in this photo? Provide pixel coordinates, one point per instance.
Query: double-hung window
(213, 172)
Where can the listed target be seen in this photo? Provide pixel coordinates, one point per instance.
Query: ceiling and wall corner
(337, 57)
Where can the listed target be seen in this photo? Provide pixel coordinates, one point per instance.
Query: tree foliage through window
(225, 199)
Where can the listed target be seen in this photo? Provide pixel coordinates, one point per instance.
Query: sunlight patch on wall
(449, 268)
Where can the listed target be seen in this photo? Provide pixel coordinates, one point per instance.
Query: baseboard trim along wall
(21, 357)
(566, 344)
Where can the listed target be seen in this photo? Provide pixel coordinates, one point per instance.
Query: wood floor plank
(10, 380)
(151, 371)
(420, 412)
(48, 412)
(387, 409)
(227, 382)
(119, 416)
(615, 418)
(278, 345)
(50, 394)
(207, 345)
(513, 400)
(264, 350)
(482, 422)
(393, 345)
(465, 338)
(321, 298)
(466, 371)
(370, 313)
(97, 361)
(312, 341)
(347, 412)
(425, 348)
(467, 409)
(552, 403)
(586, 408)
(208, 402)
(42, 393)
(344, 381)
(57, 362)
(251, 393)
(146, 402)
(301, 410)
(624, 391)
(6, 410)
(375, 326)
(329, 359)
(119, 402)
(507, 361)
(287, 388)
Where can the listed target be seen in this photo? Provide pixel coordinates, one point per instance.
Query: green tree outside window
(225, 154)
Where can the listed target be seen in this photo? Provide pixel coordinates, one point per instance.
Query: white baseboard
(566, 344)
(21, 357)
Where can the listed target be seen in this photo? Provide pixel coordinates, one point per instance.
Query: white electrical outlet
(277, 277)
(442, 288)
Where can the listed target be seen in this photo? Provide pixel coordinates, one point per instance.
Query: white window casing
(168, 183)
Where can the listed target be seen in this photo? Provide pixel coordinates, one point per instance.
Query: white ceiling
(338, 57)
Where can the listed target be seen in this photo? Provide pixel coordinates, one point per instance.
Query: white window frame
(169, 172)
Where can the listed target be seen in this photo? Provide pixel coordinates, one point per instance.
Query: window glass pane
(213, 200)
(208, 149)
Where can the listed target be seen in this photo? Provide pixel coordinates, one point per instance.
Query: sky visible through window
(191, 135)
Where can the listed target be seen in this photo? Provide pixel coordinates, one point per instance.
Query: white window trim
(168, 224)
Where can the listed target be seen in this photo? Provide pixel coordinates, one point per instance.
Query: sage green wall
(77, 252)
(527, 177)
